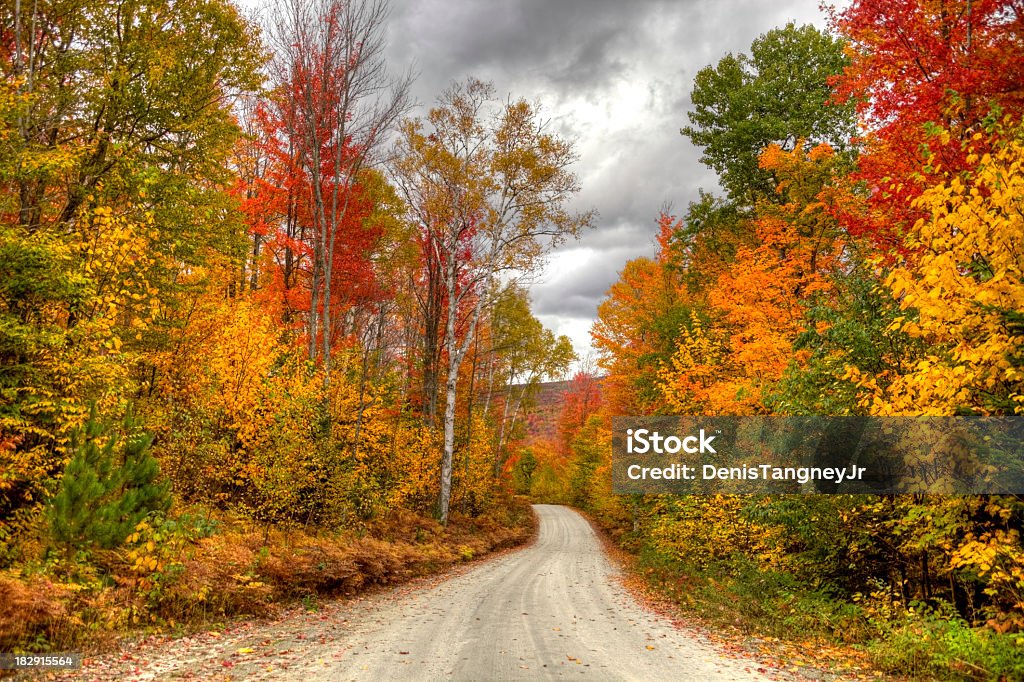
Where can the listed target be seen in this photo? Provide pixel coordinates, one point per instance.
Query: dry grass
(29, 608)
(242, 571)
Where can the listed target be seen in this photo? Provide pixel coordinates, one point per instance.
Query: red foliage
(581, 399)
(281, 211)
(919, 62)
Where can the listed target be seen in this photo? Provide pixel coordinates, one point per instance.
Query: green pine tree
(106, 490)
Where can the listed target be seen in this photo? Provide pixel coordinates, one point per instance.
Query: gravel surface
(552, 610)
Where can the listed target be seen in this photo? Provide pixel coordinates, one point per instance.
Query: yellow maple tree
(963, 294)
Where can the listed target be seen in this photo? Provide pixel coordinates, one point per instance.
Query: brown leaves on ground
(248, 572)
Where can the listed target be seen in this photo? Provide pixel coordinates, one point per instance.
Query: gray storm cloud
(613, 76)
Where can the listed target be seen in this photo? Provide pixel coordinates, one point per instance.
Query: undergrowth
(195, 570)
(919, 641)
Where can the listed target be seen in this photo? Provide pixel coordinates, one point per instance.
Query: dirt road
(552, 610)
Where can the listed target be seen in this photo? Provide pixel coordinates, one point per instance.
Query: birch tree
(488, 186)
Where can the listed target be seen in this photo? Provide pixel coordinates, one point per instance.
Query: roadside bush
(107, 487)
(191, 570)
(929, 642)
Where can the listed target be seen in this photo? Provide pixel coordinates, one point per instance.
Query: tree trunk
(449, 445)
(431, 307)
(504, 421)
(456, 352)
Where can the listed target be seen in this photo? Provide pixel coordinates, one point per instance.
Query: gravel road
(552, 610)
(555, 609)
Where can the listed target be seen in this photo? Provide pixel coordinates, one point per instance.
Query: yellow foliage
(960, 291)
(250, 425)
(701, 530)
(474, 486)
(697, 364)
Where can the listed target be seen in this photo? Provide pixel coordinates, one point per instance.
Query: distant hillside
(542, 421)
(542, 417)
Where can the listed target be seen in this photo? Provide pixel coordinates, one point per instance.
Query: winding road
(555, 609)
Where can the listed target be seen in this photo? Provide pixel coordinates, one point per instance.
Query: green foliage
(927, 641)
(712, 225)
(128, 97)
(777, 94)
(850, 328)
(522, 472)
(35, 286)
(739, 592)
(528, 351)
(587, 450)
(107, 488)
(548, 486)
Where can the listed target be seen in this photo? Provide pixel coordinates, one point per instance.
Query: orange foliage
(630, 334)
(727, 363)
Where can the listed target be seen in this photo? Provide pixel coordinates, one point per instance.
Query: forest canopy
(249, 293)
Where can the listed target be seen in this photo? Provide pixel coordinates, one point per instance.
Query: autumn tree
(116, 127)
(708, 234)
(738, 339)
(964, 297)
(335, 103)
(638, 324)
(581, 400)
(777, 97)
(527, 354)
(110, 90)
(488, 191)
(851, 331)
(918, 67)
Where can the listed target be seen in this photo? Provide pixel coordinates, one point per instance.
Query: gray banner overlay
(838, 455)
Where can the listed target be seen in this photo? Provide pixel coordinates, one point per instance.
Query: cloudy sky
(613, 75)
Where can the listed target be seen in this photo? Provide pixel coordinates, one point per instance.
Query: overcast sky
(614, 76)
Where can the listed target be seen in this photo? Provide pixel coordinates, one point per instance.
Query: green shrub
(934, 642)
(107, 487)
